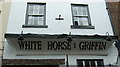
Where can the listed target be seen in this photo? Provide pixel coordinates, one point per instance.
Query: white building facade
(59, 33)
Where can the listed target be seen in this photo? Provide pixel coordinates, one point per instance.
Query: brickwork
(114, 9)
(33, 61)
(119, 18)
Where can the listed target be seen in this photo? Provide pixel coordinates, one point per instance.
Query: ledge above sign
(30, 35)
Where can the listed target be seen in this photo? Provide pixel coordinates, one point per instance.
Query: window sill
(34, 26)
(81, 27)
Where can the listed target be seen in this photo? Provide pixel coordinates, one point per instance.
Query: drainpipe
(67, 64)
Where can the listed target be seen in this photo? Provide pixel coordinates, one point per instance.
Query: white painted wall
(97, 9)
(99, 19)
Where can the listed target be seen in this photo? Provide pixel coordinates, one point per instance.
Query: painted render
(98, 14)
(99, 18)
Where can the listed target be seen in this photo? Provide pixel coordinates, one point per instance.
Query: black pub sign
(61, 45)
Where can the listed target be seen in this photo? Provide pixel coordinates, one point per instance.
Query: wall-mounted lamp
(107, 8)
(59, 18)
(108, 38)
(69, 37)
(20, 37)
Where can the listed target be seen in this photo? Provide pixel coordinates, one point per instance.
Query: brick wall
(33, 61)
(119, 19)
(114, 9)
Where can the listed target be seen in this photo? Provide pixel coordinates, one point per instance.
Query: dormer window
(81, 17)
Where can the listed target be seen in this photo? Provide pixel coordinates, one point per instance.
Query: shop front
(32, 66)
(38, 50)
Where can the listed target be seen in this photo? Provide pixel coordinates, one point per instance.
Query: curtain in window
(30, 20)
(30, 9)
(35, 14)
(80, 14)
(80, 11)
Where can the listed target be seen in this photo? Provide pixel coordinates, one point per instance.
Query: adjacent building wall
(0, 31)
(4, 14)
(5, 6)
(114, 9)
(0, 24)
(119, 18)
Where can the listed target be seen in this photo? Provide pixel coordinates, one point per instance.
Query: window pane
(76, 20)
(36, 20)
(36, 14)
(100, 63)
(36, 9)
(80, 64)
(84, 21)
(75, 10)
(41, 9)
(87, 64)
(80, 11)
(81, 21)
(84, 11)
(30, 20)
(41, 20)
(30, 9)
(80, 15)
(93, 64)
(90, 63)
